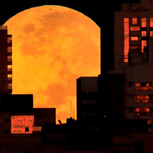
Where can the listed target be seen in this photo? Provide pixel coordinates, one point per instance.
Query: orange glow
(150, 122)
(143, 33)
(143, 44)
(141, 98)
(151, 22)
(146, 87)
(143, 22)
(49, 52)
(126, 39)
(142, 109)
(134, 38)
(9, 39)
(137, 84)
(20, 122)
(134, 20)
(151, 33)
(9, 49)
(9, 67)
(134, 28)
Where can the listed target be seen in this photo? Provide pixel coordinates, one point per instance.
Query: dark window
(130, 110)
(143, 29)
(130, 84)
(26, 129)
(6, 132)
(7, 120)
(151, 29)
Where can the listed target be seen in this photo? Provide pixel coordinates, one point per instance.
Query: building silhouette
(5, 61)
(114, 109)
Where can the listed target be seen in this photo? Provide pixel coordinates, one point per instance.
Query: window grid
(126, 39)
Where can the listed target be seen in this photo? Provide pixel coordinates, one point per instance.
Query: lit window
(9, 39)
(151, 33)
(134, 28)
(134, 38)
(9, 76)
(143, 22)
(143, 44)
(10, 86)
(137, 84)
(9, 58)
(126, 38)
(150, 122)
(143, 33)
(142, 98)
(9, 67)
(22, 124)
(142, 109)
(151, 22)
(9, 49)
(134, 20)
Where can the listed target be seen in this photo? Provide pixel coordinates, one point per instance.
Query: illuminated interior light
(126, 38)
(20, 123)
(151, 33)
(151, 22)
(9, 67)
(134, 38)
(137, 84)
(134, 20)
(143, 22)
(9, 49)
(143, 33)
(143, 44)
(134, 28)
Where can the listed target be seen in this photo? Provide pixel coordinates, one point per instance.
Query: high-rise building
(128, 88)
(136, 27)
(5, 61)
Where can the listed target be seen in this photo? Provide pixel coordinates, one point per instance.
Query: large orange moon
(52, 46)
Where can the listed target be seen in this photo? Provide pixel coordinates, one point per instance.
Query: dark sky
(98, 10)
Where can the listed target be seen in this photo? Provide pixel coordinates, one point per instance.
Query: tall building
(136, 27)
(129, 87)
(5, 61)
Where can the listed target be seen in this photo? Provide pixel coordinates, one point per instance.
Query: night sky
(102, 12)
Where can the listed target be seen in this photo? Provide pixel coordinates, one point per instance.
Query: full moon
(52, 46)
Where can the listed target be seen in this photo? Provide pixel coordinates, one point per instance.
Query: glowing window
(151, 22)
(22, 124)
(9, 86)
(134, 38)
(142, 98)
(143, 22)
(134, 28)
(137, 84)
(9, 76)
(134, 20)
(143, 33)
(9, 39)
(143, 44)
(151, 33)
(126, 39)
(9, 67)
(150, 122)
(9, 58)
(9, 49)
(142, 109)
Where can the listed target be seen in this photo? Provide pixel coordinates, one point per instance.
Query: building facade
(5, 61)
